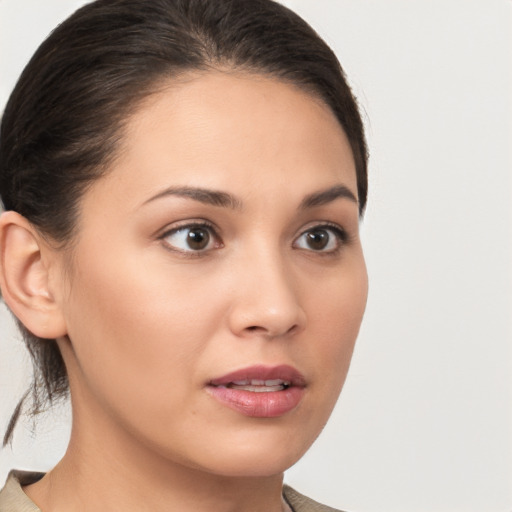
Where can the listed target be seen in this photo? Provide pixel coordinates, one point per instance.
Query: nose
(267, 299)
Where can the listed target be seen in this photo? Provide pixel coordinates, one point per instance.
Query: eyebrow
(327, 196)
(202, 195)
(226, 200)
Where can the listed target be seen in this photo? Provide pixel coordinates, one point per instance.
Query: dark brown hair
(63, 121)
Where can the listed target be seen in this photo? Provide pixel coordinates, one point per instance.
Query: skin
(144, 322)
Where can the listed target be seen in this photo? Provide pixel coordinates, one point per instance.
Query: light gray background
(425, 419)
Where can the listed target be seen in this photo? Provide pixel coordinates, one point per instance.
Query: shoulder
(12, 497)
(301, 503)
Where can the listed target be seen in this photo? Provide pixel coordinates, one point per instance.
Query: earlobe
(24, 277)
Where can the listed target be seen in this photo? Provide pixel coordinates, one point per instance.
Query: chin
(261, 453)
(255, 464)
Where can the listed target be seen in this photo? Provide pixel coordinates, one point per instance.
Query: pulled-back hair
(62, 124)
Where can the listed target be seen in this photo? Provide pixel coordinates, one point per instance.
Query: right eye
(192, 238)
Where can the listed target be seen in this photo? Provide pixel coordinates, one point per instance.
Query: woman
(182, 183)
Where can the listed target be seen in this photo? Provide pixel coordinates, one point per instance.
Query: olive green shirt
(13, 499)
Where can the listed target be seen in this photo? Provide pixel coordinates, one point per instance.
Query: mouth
(260, 391)
(259, 386)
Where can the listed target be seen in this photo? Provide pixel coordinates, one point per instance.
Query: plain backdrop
(425, 419)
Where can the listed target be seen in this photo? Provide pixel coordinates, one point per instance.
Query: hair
(63, 122)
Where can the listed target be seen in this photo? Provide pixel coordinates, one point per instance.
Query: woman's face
(217, 283)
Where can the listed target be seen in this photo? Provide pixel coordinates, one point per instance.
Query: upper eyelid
(217, 232)
(187, 223)
(323, 224)
(341, 241)
(180, 224)
(343, 236)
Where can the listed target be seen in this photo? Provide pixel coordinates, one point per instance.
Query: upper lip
(284, 372)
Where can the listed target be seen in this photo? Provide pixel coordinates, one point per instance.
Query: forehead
(225, 130)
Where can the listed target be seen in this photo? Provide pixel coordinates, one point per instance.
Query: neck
(109, 470)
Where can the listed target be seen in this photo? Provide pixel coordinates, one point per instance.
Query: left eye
(195, 238)
(321, 239)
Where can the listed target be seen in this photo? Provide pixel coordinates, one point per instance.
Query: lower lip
(270, 404)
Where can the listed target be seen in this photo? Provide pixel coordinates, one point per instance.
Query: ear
(25, 263)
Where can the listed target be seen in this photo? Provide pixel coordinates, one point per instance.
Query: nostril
(268, 331)
(292, 329)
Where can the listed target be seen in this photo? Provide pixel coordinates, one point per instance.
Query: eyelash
(341, 238)
(189, 226)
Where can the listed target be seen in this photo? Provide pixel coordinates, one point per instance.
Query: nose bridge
(268, 302)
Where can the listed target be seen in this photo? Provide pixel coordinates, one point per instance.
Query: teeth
(258, 389)
(276, 382)
(259, 382)
(259, 385)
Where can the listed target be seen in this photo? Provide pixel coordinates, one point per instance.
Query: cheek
(136, 329)
(335, 312)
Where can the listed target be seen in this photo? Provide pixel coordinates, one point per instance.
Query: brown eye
(198, 238)
(327, 239)
(194, 238)
(317, 240)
